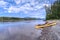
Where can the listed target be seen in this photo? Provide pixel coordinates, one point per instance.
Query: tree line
(54, 12)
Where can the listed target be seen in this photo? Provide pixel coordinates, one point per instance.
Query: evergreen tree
(55, 11)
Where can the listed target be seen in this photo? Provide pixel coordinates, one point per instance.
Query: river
(27, 28)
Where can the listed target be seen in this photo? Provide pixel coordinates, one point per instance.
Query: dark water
(20, 30)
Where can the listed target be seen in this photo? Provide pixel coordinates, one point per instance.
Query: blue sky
(24, 8)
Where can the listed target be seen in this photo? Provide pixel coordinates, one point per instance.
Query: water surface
(26, 28)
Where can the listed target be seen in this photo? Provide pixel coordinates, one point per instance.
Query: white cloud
(13, 9)
(47, 5)
(18, 1)
(24, 8)
(16, 9)
(3, 3)
(22, 1)
(30, 7)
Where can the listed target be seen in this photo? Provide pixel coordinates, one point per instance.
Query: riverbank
(51, 33)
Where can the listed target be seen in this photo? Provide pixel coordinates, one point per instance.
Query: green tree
(55, 9)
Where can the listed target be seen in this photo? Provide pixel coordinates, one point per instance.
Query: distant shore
(14, 19)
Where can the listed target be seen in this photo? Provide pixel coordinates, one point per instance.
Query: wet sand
(51, 33)
(47, 34)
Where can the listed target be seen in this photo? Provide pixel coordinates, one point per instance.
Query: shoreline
(51, 33)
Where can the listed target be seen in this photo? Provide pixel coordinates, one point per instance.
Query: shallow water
(27, 28)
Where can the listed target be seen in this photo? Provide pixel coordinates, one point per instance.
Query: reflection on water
(26, 28)
(22, 22)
